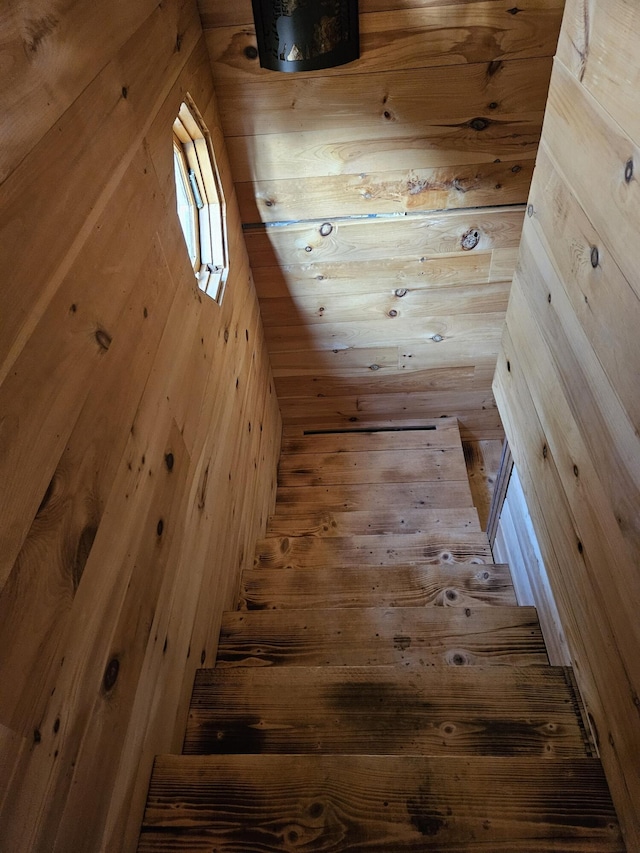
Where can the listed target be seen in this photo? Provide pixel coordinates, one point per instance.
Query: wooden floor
(377, 687)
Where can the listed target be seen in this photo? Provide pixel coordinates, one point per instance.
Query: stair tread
(377, 466)
(384, 521)
(372, 550)
(456, 584)
(276, 803)
(368, 497)
(382, 636)
(387, 710)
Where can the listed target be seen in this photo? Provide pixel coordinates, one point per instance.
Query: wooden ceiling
(383, 202)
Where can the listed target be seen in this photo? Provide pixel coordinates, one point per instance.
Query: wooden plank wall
(139, 430)
(429, 139)
(567, 377)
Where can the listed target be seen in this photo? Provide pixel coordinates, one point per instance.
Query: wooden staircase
(378, 689)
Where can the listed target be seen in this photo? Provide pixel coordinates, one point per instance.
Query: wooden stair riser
(374, 637)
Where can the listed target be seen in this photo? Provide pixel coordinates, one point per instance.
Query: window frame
(201, 179)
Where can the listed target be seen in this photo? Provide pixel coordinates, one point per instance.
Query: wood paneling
(567, 376)
(400, 173)
(139, 428)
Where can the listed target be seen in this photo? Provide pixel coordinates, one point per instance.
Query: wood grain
(453, 585)
(447, 95)
(411, 38)
(383, 466)
(117, 384)
(379, 803)
(329, 524)
(375, 637)
(505, 711)
(398, 549)
(391, 191)
(368, 497)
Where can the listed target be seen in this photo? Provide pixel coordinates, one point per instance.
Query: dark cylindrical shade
(306, 35)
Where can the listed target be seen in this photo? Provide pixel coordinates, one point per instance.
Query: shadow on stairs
(378, 689)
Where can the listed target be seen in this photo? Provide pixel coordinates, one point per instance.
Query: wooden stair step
(361, 804)
(505, 711)
(453, 585)
(443, 434)
(371, 498)
(377, 636)
(386, 521)
(372, 550)
(382, 466)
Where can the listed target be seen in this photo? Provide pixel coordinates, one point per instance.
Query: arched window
(199, 200)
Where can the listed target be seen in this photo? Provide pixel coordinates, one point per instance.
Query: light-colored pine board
(482, 459)
(398, 549)
(376, 637)
(598, 295)
(352, 149)
(416, 236)
(302, 499)
(38, 87)
(389, 381)
(414, 38)
(391, 520)
(605, 683)
(320, 309)
(414, 710)
(383, 466)
(443, 188)
(390, 99)
(454, 585)
(408, 805)
(598, 44)
(380, 277)
(572, 116)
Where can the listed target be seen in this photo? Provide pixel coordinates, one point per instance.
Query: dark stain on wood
(83, 549)
(37, 30)
(428, 820)
(111, 673)
(103, 338)
(46, 497)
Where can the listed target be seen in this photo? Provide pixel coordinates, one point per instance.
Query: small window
(199, 201)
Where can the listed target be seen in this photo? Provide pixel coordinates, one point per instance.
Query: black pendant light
(306, 35)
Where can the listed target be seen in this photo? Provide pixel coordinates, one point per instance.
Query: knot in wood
(325, 229)
(628, 171)
(437, 338)
(401, 291)
(393, 313)
(111, 674)
(529, 210)
(479, 123)
(595, 256)
(470, 240)
(251, 51)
